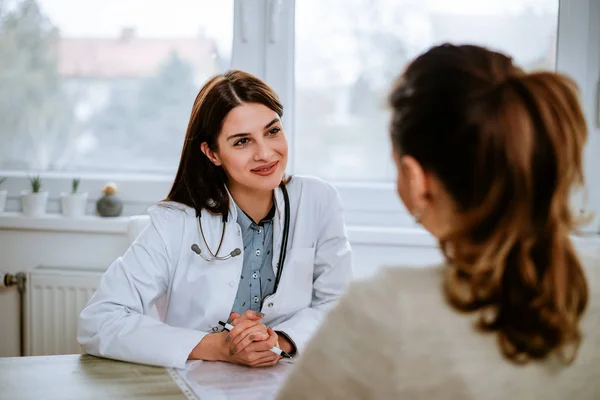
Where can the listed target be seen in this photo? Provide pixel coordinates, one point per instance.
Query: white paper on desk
(224, 381)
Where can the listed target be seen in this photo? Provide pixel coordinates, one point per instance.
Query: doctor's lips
(267, 169)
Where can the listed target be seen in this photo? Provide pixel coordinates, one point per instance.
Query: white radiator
(55, 297)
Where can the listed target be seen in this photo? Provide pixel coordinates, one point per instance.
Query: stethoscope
(236, 252)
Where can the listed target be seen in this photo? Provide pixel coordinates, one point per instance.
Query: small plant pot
(34, 204)
(109, 205)
(73, 205)
(3, 194)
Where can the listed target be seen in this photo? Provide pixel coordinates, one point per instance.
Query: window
(349, 51)
(105, 85)
(103, 88)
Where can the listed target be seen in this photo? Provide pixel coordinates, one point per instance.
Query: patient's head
(487, 156)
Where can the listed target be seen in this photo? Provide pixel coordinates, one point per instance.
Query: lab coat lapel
(277, 222)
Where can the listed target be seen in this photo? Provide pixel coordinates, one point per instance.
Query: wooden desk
(83, 377)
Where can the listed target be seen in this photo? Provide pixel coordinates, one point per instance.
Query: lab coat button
(271, 305)
(231, 284)
(215, 329)
(258, 252)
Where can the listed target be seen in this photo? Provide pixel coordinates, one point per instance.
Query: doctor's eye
(241, 142)
(274, 131)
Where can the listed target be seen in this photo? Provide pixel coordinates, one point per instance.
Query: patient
(487, 155)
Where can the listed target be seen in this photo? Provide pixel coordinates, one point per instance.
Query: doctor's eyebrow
(238, 136)
(271, 123)
(245, 134)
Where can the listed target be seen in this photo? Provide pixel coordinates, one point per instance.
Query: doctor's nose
(263, 152)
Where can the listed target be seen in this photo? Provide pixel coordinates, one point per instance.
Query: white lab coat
(192, 295)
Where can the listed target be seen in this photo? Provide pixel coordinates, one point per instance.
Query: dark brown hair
(507, 146)
(199, 183)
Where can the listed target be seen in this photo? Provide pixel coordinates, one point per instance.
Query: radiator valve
(8, 280)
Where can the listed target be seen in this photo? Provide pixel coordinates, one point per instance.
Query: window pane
(105, 85)
(349, 51)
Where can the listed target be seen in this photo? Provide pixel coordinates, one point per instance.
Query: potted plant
(3, 194)
(109, 205)
(34, 202)
(74, 203)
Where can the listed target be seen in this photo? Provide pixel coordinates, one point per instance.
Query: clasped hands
(248, 343)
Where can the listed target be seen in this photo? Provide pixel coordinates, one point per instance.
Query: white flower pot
(3, 194)
(34, 204)
(73, 205)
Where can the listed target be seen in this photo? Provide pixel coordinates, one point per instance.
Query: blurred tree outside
(143, 125)
(139, 128)
(36, 116)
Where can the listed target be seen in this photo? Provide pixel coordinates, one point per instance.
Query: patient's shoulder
(394, 288)
(413, 280)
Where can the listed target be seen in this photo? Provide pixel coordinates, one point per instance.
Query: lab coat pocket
(298, 275)
(200, 272)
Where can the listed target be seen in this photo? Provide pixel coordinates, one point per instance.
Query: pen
(276, 350)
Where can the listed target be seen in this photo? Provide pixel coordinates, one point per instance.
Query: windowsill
(357, 234)
(60, 223)
(363, 235)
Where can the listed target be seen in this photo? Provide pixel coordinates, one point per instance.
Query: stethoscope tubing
(284, 239)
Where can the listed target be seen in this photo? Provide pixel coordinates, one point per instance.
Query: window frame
(578, 41)
(263, 44)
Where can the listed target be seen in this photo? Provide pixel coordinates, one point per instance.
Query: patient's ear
(412, 184)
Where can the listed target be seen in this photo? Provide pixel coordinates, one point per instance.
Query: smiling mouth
(266, 168)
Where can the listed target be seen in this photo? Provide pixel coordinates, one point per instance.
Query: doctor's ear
(212, 156)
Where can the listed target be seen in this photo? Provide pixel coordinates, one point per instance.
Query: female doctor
(234, 241)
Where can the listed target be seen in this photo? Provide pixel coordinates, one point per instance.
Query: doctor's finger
(239, 328)
(251, 357)
(254, 334)
(264, 345)
(266, 362)
(273, 337)
(249, 314)
(257, 357)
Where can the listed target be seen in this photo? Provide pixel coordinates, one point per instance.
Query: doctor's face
(251, 148)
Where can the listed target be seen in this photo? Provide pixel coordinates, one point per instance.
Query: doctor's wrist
(286, 343)
(210, 348)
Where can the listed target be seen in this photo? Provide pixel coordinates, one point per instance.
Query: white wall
(22, 249)
(26, 243)
(94, 242)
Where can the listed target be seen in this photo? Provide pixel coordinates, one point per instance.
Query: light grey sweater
(395, 337)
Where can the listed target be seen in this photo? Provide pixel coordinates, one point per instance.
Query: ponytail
(507, 147)
(525, 273)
